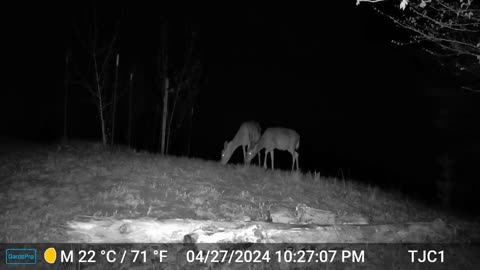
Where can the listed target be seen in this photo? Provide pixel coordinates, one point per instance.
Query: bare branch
(369, 1)
(470, 89)
(453, 27)
(85, 85)
(442, 34)
(109, 52)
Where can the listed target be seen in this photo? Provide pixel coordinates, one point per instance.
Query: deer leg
(244, 154)
(259, 159)
(265, 160)
(271, 153)
(296, 158)
(293, 160)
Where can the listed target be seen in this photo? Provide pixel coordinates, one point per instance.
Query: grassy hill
(43, 187)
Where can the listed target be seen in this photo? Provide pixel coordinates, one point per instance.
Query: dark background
(364, 107)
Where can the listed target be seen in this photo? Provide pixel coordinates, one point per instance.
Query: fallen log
(148, 230)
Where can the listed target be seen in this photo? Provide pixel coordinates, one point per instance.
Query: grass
(43, 187)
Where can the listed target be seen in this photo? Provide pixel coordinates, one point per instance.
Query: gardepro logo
(21, 256)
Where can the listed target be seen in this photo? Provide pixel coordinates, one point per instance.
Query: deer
(247, 135)
(276, 138)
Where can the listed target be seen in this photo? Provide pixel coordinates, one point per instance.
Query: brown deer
(247, 135)
(276, 138)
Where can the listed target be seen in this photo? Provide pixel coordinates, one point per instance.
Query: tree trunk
(102, 122)
(129, 136)
(114, 101)
(164, 115)
(169, 127)
(100, 101)
(163, 64)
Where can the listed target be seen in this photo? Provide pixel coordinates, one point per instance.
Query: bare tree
(130, 110)
(114, 100)
(100, 52)
(449, 30)
(187, 84)
(164, 117)
(163, 65)
(181, 91)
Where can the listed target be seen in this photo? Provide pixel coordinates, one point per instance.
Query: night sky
(364, 107)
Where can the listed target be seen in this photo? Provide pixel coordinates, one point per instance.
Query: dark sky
(329, 71)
